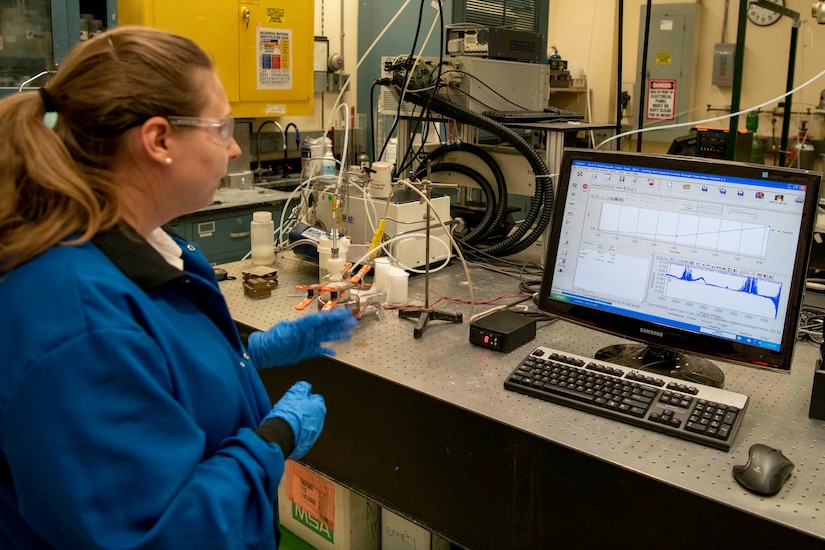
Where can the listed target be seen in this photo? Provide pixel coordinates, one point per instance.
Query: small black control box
(502, 330)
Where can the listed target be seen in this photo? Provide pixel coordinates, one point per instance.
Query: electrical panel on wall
(724, 56)
(667, 87)
(263, 49)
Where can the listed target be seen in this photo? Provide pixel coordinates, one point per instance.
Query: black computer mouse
(766, 472)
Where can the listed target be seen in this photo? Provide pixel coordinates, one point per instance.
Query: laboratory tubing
(262, 235)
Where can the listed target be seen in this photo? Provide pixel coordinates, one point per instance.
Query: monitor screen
(689, 257)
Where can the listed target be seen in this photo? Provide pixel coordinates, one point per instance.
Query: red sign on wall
(661, 99)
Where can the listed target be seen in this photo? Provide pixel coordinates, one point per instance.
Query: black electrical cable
(423, 119)
(486, 86)
(405, 159)
(392, 129)
(540, 210)
(500, 200)
(375, 83)
(475, 99)
(404, 88)
(540, 206)
(411, 154)
(435, 78)
(441, 48)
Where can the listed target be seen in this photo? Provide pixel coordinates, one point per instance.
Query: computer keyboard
(702, 414)
(549, 114)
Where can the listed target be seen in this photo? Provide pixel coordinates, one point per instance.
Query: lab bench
(424, 426)
(221, 230)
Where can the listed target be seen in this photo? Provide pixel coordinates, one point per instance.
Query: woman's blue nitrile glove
(304, 412)
(290, 342)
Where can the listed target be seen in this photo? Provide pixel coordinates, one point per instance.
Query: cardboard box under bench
(325, 514)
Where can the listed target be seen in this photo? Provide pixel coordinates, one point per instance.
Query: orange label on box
(311, 492)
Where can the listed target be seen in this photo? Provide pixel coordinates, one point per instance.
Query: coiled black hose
(541, 207)
(486, 226)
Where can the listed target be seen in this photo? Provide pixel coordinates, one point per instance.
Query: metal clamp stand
(427, 313)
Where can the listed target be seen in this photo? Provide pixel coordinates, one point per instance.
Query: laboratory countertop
(473, 377)
(228, 198)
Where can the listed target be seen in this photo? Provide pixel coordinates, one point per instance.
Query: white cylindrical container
(381, 181)
(262, 236)
(379, 276)
(335, 266)
(325, 250)
(397, 285)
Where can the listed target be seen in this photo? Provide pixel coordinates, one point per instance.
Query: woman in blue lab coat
(131, 414)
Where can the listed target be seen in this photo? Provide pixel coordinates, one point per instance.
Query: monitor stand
(666, 362)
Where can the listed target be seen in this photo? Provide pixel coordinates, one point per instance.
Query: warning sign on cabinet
(661, 99)
(274, 59)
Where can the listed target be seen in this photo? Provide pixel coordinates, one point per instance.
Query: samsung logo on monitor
(656, 333)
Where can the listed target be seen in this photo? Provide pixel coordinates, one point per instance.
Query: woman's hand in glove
(290, 342)
(304, 412)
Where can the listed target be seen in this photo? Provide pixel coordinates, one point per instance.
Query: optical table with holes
(424, 427)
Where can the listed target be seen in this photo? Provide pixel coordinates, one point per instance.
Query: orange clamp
(360, 275)
(311, 289)
(333, 297)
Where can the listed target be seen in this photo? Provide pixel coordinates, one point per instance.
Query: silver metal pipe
(259, 171)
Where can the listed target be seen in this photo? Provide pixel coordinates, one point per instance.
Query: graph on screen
(748, 294)
(697, 231)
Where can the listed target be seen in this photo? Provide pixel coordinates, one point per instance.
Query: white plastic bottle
(328, 166)
(306, 159)
(262, 235)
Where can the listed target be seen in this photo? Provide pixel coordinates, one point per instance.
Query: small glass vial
(262, 235)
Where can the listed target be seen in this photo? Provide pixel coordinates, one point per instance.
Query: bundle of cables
(425, 94)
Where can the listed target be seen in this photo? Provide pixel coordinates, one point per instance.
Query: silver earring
(168, 161)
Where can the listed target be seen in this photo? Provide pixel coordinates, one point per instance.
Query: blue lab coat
(127, 406)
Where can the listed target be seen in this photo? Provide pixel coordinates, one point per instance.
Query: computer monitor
(689, 257)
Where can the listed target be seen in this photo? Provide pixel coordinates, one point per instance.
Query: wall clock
(763, 16)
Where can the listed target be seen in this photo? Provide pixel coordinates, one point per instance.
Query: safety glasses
(225, 126)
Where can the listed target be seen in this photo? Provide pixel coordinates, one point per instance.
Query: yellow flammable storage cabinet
(263, 49)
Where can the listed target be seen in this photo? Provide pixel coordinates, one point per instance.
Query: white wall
(585, 32)
(334, 19)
